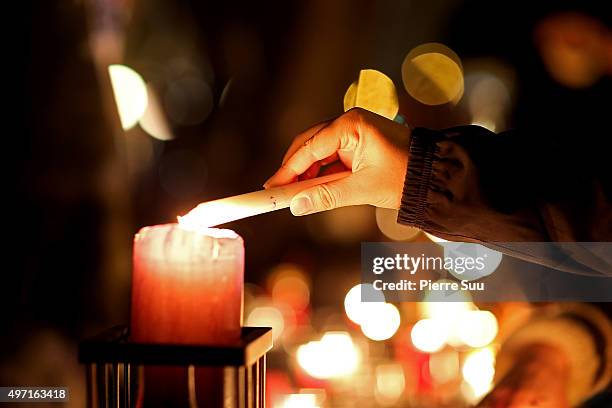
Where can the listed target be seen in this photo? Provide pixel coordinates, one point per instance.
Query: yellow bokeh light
(373, 91)
(350, 97)
(429, 335)
(390, 383)
(267, 316)
(386, 219)
(130, 94)
(334, 356)
(381, 321)
(477, 328)
(433, 75)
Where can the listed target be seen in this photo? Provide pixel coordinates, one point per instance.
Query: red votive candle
(187, 288)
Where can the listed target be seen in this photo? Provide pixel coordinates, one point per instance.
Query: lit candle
(234, 208)
(187, 287)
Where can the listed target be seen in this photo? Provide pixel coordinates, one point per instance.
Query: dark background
(85, 187)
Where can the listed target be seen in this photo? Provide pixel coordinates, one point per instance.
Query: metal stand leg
(262, 381)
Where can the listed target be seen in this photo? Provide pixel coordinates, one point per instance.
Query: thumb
(327, 196)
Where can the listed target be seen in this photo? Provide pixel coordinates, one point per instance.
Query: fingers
(336, 167)
(340, 193)
(329, 160)
(323, 144)
(297, 142)
(312, 171)
(302, 137)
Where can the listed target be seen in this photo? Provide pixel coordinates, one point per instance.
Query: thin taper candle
(234, 208)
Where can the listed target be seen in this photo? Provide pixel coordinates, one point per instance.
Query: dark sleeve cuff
(423, 150)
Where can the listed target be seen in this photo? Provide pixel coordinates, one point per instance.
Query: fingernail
(301, 205)
(267, 183)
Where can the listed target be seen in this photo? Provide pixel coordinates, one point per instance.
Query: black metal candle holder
(115, 367)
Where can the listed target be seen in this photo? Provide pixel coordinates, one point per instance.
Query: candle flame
(224, 210)
(212, 213)
(190, 223)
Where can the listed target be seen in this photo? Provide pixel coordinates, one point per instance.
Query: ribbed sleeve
(423, 148)
(469, 184)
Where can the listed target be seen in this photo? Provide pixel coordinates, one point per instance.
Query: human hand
(359, 141)
(537, 380)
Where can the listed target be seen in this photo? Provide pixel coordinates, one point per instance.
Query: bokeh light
(433, 75)
(465, 325)
(356, 310)
(188, 100)
(444, 366)
(575, 48)
(386, 219)
(378, 320)
(334, 356)
(298, 401)
(445, 305)
(478, 372)
(381, 321)
(373, 91)
(445, 310)
(267, 316)
(153, 121)
(390, 383)
(130, 94)
(429, 335)
(488, 96)
(291, 286)
(477, 328)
